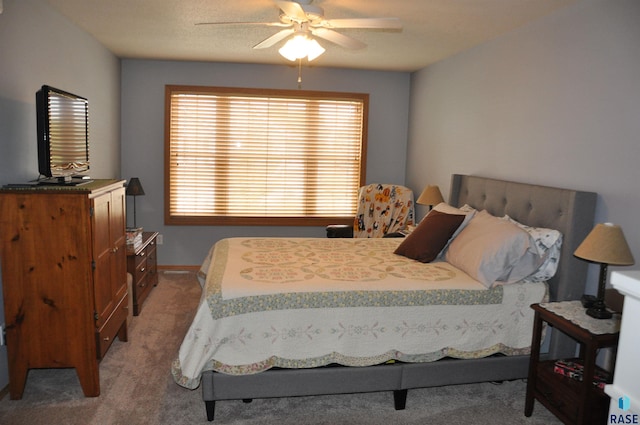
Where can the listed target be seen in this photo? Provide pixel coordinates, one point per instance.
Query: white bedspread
(298, 303)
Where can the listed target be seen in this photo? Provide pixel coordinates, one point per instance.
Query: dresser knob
(106, 338)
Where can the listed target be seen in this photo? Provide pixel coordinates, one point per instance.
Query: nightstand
(572, 401)
(142, 264)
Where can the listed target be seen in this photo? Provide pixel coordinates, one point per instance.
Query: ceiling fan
(301, 20)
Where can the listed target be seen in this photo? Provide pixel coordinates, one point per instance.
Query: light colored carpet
(137, 387)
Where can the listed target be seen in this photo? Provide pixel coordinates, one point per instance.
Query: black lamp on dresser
(134, 188)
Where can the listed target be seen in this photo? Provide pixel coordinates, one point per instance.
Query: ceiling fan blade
(292, 9)
(337, 38)
(280, 35)
(268, 24)
(381, 23)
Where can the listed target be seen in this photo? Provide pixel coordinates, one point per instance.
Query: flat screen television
(63, 135)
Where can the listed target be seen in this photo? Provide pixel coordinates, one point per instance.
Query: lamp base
(599, 311)
(588, 301)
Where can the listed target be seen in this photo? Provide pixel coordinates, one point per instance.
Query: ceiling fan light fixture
(301, 46)
(314, 50)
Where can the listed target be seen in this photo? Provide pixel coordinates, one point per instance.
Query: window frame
(257, 220)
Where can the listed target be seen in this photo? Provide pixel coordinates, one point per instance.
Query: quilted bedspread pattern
(299, 303)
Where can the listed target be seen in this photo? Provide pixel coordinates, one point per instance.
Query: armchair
(383, 209)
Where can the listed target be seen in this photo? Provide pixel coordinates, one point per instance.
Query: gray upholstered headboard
(568, 211)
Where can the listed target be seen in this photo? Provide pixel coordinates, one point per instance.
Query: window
(268, 157)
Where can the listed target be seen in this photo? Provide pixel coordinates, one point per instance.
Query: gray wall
(38, 46)
(556, 102)
(143, 85)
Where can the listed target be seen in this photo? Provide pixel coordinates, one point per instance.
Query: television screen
(63, 133)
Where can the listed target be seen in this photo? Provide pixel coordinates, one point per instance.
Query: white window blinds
(243, 156)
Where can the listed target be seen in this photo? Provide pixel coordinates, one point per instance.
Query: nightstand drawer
(555, 393)
(563, 393)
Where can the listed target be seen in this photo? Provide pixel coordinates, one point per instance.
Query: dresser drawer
(152, 267)
(139, 258)
(140, 271)
(106, 334)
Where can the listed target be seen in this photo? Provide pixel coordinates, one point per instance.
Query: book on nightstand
(574, 369)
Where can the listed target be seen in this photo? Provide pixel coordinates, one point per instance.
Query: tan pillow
(490, 249)
(432, 234)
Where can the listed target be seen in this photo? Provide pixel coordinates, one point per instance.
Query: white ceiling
(432, 29)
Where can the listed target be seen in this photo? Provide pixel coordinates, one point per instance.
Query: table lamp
(430, 196)
(134, 188)
(605, 244)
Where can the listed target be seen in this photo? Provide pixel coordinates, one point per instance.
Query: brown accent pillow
(432, 234)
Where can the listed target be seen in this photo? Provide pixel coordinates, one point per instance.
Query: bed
(266, 337)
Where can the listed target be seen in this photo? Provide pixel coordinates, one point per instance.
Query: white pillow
(468, 208)
(548, 243)
(493, 250)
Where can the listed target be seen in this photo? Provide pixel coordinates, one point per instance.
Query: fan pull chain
(299, 74)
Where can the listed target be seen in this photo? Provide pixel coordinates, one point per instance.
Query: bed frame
(569, 211)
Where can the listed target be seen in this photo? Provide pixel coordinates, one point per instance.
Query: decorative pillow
(448, 209)
(426, 241)
(491, 249)
(548, 243)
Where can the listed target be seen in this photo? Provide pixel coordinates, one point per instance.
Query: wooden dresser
(64, 278)
(142, 264)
